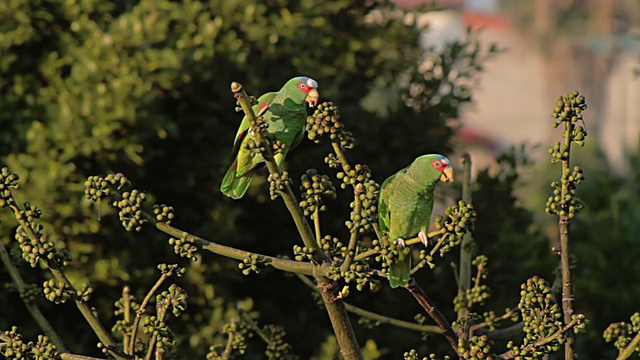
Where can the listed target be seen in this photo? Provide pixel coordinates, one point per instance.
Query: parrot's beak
(447, 175)
(312, 97)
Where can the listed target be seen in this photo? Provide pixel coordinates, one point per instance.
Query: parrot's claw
(424, 238)
(400, 243)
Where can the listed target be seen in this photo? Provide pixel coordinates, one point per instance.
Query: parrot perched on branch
(405, 203)
(285, 114)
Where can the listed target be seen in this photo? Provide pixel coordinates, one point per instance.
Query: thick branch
(565, 259)
(466, 247)
(433, 311)
(382, 319)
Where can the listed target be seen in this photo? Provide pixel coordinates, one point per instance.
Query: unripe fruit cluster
(567, 204)
(326, 121)
(540, 312)
(175, 298)
(314, 188)
(56, 292)
(251, 263)
(477, 348)
(183, 246)
(98, 188)
(278, 183)
(164, 213)
(16, 348)
(277, 348)
(163, 335)
(622, 333)
(8, 181)
(130, 213)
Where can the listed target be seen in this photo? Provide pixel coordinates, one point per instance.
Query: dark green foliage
(143, 88)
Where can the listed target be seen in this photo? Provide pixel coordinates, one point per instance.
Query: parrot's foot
(424, 238)
(400, 243)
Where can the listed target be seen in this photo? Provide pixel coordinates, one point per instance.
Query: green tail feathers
(400, 272)
(235, 186)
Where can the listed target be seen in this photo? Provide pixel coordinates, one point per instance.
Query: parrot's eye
(437, 164)
(303, 86)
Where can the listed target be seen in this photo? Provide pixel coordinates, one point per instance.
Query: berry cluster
(622, 333)
(56, 292)
(278, 183)
(277, 348)
(326, 120)
(476, 348)
(239, 332)
(413, 355)
(568, 109)
(158, 329)
(164, 213)
(542, 318)
(367, 196)
(302, 253)
(183, 246)
(314, 187)
(569, 204)
(360, 272)
(97, 188)
(130, 213)
(8, 181)
(39, 247)
(16, 348)
(175, 298)
(251, 263)
(461, 219)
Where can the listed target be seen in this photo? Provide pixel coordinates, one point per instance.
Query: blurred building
(594, 48)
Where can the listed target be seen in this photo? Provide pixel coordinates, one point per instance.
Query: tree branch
(297, 267)
(466, 247)
(86, 311)
(433, 311)
(31, 306)
(379, 317)
(335, 307)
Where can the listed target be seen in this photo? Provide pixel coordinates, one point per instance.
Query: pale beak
(447, 175)
(312, 97)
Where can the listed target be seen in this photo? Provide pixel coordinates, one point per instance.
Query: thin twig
(64, 355)
(316, 226)
(31, 305)
(86, 311)
(631, 348)
(546, 340)
(136, 322)
(126, 300)
(229, 347)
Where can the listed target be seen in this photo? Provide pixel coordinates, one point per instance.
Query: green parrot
(285, 113)
(405, 203)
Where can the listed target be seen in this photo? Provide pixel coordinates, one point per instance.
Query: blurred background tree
(142, 87)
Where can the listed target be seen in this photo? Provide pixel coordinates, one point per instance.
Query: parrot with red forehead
(405, 203)
(285, 113)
